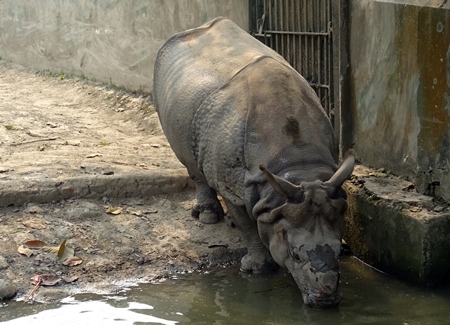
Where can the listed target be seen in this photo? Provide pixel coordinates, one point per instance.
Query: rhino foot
(258, 262)
(207, 208)
(207, 215)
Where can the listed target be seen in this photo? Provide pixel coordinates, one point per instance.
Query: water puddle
(228, 297)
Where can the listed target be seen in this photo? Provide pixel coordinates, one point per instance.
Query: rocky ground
(88, 164)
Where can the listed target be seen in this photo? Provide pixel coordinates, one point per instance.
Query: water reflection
(229, 297)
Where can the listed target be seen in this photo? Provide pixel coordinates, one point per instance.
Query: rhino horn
(343, 173)
(291, 191)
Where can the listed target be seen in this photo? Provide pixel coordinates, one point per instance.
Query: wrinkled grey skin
(247, 126)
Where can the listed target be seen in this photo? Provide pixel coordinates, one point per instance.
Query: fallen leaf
(25, 251)
(114, 210)
(73, 261)
(48, 279)
(135, 212)
(51, 249)
(36, 279)
(70, 278)
(65, 251)
(35, 224)
(62, 248)
(93, 155)
(13, 127)
(35, 244)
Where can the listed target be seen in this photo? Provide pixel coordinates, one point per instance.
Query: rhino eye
(295, 256)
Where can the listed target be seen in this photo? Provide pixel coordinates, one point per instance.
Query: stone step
(395, 229)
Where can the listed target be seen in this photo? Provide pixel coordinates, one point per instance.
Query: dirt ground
(69, 150)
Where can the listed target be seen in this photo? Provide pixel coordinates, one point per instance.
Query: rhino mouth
(322, 300)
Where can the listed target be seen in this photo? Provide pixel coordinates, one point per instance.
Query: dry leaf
(35, 244)
(114, 210)
(51, 249)
(36, 279)
(46, 279)
(62, 248)
(25, 251)
(35, 224)
(136, 212)
(93, 155)
(70, 279)
(68, 252)
(73, 261)
(65, 251)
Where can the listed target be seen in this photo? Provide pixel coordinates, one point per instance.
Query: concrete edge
(120, 185)
(397, 230)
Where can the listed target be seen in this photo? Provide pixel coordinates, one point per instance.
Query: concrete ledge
(129, 184)
(390, 226)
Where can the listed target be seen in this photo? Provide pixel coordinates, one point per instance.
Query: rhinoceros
(249, 127)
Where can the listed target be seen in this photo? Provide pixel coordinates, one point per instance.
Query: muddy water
(229, 297)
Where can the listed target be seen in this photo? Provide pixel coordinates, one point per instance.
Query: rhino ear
(284, 187)
(343, 173)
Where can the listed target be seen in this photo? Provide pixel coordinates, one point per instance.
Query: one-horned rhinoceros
(247, 126)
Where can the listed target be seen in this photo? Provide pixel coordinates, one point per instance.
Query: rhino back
(227, 103)
(266, 114)
(190, 66)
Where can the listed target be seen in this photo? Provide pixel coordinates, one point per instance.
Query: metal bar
(297, 33)
(306, 57)
(312, 84)
(281, 49)
(294, 28)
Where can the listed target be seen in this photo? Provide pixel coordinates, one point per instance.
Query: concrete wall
(400, 88)
(110, 40)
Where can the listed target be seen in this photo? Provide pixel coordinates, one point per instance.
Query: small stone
(75, 143)
(7, 290)
(33, 209)
(52, 125)
(438, 208)
(415, 209)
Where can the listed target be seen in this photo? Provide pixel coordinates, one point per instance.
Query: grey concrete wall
(400, 88)
(110, 40)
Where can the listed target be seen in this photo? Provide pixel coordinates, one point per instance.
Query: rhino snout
(322, 300)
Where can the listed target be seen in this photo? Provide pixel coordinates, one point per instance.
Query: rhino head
(304, 233)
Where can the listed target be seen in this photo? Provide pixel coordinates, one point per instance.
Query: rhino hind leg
(258, 258)
(207, 207)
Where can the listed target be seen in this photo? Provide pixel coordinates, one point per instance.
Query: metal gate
(301, 31)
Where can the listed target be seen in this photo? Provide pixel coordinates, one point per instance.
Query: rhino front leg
(207, 207)
(258, 258)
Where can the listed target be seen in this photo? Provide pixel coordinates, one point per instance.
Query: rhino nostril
(327, 289)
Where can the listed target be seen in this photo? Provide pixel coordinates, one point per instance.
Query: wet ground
(226, 296)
